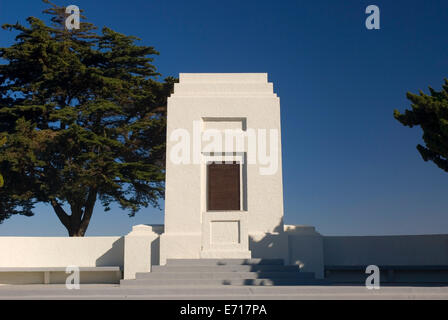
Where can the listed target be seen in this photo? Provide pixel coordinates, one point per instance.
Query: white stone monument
(224, 196)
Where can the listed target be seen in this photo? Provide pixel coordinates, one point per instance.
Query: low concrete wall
(48, 252)
(301, 245)
(316, 253)
(135, 252)
(401, 259)
(386, 250)
(61, 251)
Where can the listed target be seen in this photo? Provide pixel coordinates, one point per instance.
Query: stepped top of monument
(223, 77)
(223, 84)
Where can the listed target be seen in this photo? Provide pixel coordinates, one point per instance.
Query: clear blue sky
(349, 167)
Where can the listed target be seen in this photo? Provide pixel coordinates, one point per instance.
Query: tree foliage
(2, 142)
(430, 112)
(85, 116)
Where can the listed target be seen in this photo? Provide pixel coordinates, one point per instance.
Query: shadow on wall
(155, 244)
(400, 259)
(272, 245)
(114, 256)
(278, 263)
(297, 246)
(155, 251)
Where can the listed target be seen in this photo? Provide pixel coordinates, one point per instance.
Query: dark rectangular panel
(223, 186)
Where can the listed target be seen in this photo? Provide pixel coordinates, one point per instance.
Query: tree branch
(88, 210)
(63, 217)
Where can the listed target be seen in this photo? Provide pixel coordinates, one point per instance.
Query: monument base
(189, 246)
(179, 246)
(226, 254)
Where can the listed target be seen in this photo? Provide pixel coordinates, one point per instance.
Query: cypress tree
(85, 116)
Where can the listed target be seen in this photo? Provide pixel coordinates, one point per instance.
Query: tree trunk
(76, 232)
(76, 223)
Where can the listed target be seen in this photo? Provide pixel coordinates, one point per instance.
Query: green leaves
(85, 115)
(430, 112)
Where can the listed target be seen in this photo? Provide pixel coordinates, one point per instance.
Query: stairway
(221, 272)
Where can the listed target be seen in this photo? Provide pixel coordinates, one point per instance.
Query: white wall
(313, 251)
(302, 244)
(386, 250)
(61, 251)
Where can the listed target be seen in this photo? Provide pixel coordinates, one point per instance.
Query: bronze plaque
(223, 186)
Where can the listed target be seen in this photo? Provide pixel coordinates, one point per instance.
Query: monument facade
(223, 168)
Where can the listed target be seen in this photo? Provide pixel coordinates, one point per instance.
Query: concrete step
(225, 275)
(222, 262)
(215, 282)
(225, 268)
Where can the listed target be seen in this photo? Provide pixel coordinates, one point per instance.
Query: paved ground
(222, 293)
